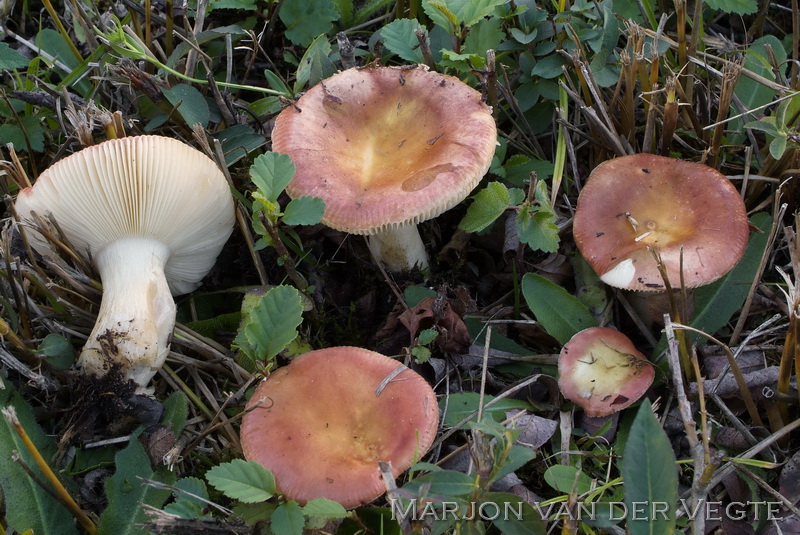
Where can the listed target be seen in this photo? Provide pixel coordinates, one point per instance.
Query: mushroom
(387, 148)
(323, 424)
(601, 370)
(152, 214)
(685, 211)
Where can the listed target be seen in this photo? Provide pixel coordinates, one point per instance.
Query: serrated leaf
(487, 205)
(427, 336)
(650, 475)
(246, 481)
(560, 313)
(305, 210)
(472, 11)
(307, 19)
(27, 505)
(399, 38)
(11, 59)
(190, 102)
(324, 508)
(271, 172)
(127, 491)
(537, 229)
(271, 324)
(288, 519)
(441, 15)
(192, 488)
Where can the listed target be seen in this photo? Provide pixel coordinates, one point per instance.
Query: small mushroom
(601, 370)
(685, 211)
(323, 424)
(152, 214)
(387, 148)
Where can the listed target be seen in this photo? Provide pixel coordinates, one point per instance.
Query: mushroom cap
(601, 370)
(322, 430)
(639, 201)
(143, 186)
(384, 146)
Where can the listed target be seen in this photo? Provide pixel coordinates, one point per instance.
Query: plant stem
(77, 512)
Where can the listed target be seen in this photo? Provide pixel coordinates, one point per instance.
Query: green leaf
(58, 350)
(239, 140)
(487, 205)
(190, 102)
(324, 508)
(472, 11)
(650, 476)
(446, 482)
(11, 59)
(13, 133)
(548, 67)
(127, 491)
(176, 410)
(246, 481)
(399, 38)
(441, 15)
(271, 172)
(305, 210)
(276, 82)
(485, 35)
(739, 7)
(515, 516)
(186, 505)
(463, 404)
(751, 93)
(248, 5)
(562, 478)
(307, 19)
(288, 519)
(27, 505)
(778, 146)
(561, 314)
(271, 324)
(315, 65)
(537, 229)
(427, 336)
(716, 303)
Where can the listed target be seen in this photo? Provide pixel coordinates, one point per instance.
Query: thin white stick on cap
(323, 424)
(152, 213)
(689, 213)
(387, 148)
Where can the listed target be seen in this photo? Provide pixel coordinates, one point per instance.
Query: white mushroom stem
(137, 312)
(399, 248)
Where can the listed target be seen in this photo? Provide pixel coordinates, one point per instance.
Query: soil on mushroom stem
(95, 407)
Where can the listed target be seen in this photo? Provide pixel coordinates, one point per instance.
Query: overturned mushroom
(387, 148)
(323, 424)
(601, 370)
(152, 214)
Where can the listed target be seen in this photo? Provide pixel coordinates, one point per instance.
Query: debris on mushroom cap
(640, 202)
(601, 370)
(324, 422)
(152, 214)
(386, 146)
